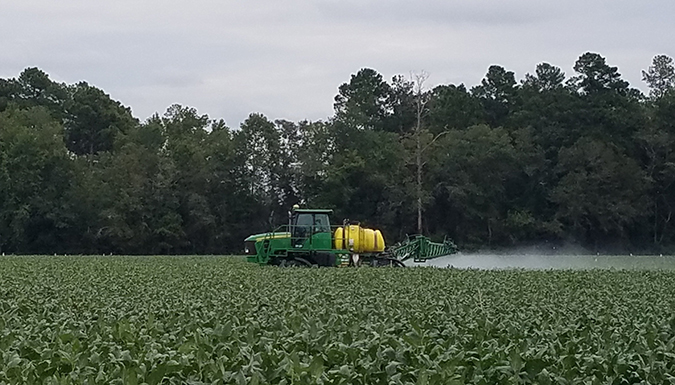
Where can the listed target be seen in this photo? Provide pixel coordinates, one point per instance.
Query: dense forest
(545, 160)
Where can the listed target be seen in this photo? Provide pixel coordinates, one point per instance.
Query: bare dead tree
(421, 100)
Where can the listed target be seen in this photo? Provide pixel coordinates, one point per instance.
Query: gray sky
(286, 58)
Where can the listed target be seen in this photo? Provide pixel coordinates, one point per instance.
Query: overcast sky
(286, 58)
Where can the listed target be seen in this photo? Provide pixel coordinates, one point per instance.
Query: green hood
(257, 237)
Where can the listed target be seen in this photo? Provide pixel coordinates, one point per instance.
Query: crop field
(219, 320)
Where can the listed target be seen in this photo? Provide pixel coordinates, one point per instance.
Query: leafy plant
(219, 320)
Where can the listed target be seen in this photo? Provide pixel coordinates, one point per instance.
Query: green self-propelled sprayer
(310, 240)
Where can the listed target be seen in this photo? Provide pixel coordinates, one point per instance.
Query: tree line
(551, 159)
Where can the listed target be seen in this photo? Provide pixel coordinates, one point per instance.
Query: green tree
(596, 76)
(402, 102)
(608, 110)
(259, 147)
(93, 120)
(471, 176)
(601, 193)
(372, 185)
(364, 102)
(547, 78)
(655, 149)
(34, 88)
(660, 76)
(7, 90)
(229, 199)
(138, 203)
(453, 107)
(35, 183)
(315, 156)
(289, 167)
(186, 148)
(498, 92)
(550, 110)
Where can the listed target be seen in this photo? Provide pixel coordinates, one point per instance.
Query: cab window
(321, 223)
(304, 221)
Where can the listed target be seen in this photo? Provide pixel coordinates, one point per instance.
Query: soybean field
(220, 320)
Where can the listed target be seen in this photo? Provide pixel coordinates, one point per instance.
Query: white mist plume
(534, 259)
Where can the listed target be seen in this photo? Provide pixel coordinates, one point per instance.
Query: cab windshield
(306, 224)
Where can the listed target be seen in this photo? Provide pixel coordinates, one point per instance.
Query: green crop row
(219, 320)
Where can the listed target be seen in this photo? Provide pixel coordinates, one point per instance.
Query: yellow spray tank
(359, 240)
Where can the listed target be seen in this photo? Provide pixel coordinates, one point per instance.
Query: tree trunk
(419, 177)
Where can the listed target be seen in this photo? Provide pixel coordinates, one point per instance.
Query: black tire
(389, 262)
(323, 258)
(294, 262)
(303, 262)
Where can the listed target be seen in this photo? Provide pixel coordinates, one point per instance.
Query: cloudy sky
(286, 58)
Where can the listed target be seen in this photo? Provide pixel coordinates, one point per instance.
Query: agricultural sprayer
(310, 240)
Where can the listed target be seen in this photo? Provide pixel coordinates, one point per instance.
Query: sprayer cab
(310, 227)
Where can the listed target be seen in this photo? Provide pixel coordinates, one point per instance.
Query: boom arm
(420, 248)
